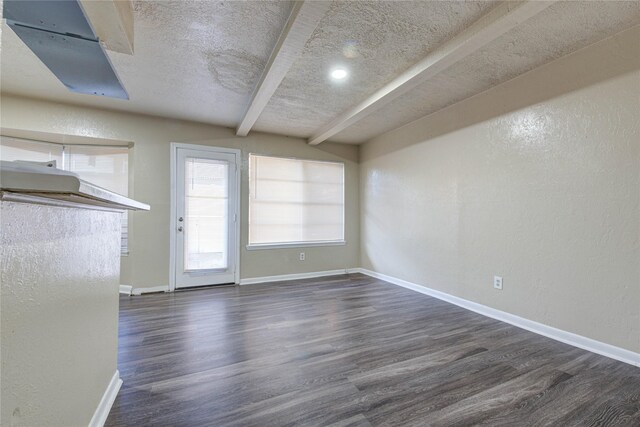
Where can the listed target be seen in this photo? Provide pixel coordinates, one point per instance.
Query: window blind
(105, 166)
(34, 151)
(295, 201)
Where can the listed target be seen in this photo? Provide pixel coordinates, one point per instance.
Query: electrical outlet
(497, 282)
(301, 256)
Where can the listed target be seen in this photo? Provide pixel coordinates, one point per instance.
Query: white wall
(148, 262)
(59, 312)
(536, 180)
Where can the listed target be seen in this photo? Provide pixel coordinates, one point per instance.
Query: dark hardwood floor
(351, 351)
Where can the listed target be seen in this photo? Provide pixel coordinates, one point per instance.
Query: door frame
(173, 222)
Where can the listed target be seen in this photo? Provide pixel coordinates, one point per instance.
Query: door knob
(180, 219)
(180, 228)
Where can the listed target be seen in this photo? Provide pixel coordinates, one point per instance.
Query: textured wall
(59, 321)
(148, 262)
(536, 180)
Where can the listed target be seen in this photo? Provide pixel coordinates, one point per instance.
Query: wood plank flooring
(351, 351)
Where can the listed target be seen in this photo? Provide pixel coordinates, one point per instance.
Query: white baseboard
(126, 289)
(109, 396)
(570, 338)
(140, 291)
(283, 277)
(257, 280)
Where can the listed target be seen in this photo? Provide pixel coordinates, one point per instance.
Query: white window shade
(105, 166)
(295, 201)
(12, 149)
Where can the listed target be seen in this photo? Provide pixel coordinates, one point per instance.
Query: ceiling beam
(112, 22)
(303, 20)
(502, 18)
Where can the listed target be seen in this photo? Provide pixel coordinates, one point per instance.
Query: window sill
(258, 247)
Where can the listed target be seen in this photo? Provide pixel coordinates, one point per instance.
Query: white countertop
(37, 184)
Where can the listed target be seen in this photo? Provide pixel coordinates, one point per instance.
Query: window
(295, 202)
(105, 166)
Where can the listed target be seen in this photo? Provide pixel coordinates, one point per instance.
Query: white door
(206, 214)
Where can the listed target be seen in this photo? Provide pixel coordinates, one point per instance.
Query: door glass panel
(206, 211)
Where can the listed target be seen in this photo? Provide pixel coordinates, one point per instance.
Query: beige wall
(148, 262)
(59, 312)
(536, 180)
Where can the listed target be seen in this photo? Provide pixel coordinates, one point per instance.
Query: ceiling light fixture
(339, 74)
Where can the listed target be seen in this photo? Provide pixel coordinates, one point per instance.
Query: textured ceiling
(194, 60)
(375, 41)
(559, 30)
(200, 60)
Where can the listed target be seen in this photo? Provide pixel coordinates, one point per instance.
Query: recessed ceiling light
(339, 74)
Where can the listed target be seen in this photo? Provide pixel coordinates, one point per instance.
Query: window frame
(301, 244)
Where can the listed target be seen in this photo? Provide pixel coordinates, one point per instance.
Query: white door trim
(172, 218)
